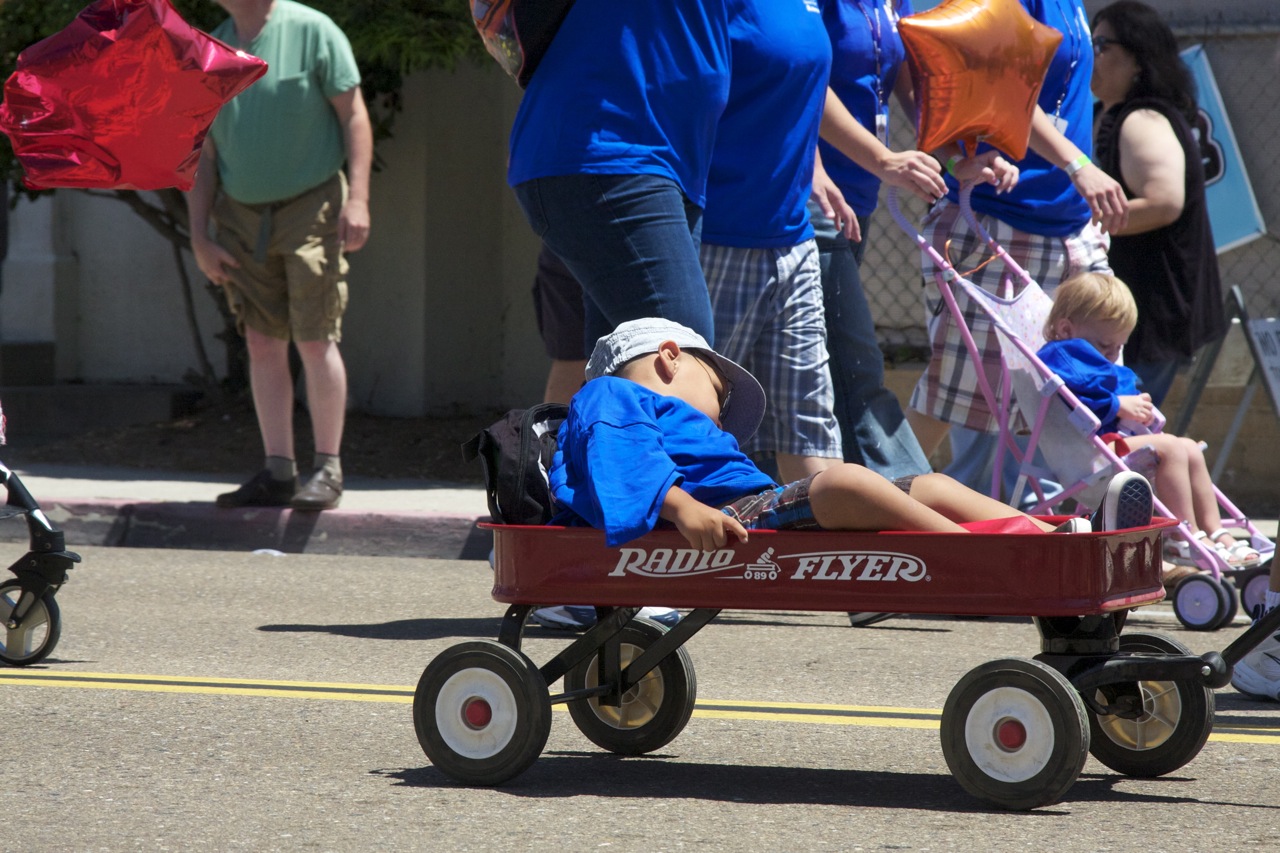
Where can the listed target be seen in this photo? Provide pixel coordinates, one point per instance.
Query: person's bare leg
(563, 380)
(792, 467)
(850, 497)
(929, 430)
(326, 378)
(272, 387)
(959, 503)
(1173, 476)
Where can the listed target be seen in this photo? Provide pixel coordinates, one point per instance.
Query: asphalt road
(204, 700)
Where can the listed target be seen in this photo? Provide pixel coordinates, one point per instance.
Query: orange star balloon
(978, 66)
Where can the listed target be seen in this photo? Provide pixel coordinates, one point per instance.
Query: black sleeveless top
(1173, 270)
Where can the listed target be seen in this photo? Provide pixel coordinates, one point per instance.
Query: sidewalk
(161, 509)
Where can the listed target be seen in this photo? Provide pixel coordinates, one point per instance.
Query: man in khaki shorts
(271, 179)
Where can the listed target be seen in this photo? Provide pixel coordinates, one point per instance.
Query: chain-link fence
(1246, 64)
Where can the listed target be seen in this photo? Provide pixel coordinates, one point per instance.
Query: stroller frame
(1202, 601)
(32, 621)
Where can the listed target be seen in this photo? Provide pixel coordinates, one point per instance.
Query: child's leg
(959, 503)
(1208, 518)
(1173, 475)
(850, 497)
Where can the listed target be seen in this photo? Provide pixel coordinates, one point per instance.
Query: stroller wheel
(1202, 602)
(41, 626)
(1253, 586)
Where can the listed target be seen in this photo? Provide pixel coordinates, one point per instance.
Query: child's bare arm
(1137, 408)
(706, 527)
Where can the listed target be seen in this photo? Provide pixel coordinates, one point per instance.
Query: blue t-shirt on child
(623, 447)
(1096, 381)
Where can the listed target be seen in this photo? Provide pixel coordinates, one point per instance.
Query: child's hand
(1137, 408)
(705, 527)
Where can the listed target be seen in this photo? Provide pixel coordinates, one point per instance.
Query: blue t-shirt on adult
(1096, 381)
(623, 447)
(627, 88)
(867, 53)
(1045, 201)
(762, 166)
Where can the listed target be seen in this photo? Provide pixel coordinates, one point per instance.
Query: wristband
(952, 162)
(1077, 164)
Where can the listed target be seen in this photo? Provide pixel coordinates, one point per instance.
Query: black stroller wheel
(34, 638)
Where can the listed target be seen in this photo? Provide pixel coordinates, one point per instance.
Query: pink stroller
(1031, 401)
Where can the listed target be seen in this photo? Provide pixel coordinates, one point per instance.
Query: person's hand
(705, 527)
(834, 207)
(1105, 196)
(1137, 408)
(914, 171)
(212, 259)
(353, 225)
(989, 167)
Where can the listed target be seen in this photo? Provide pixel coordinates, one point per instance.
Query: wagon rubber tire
(1177, 720)
(1200, 602)
(1014, 733)
(33, 641)
(482, 712)
(652, 712)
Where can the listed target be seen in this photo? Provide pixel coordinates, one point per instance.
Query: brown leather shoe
(322, 491)
(262, 490)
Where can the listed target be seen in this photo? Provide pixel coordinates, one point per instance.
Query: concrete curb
(202, 526)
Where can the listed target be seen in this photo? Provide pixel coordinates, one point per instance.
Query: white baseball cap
(744, 403)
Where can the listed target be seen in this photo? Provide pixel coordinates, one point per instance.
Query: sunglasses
(1101, 43)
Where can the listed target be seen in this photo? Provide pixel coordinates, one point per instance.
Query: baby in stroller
(1092, 317)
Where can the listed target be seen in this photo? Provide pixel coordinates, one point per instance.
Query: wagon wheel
(1014, 733)
(652, 712)
(1201, 601)
(33, 640)
(482, 712)
(1176, 719)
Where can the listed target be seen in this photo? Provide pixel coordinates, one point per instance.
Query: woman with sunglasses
(1143, 138)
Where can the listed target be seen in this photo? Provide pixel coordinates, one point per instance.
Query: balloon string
(946, 253)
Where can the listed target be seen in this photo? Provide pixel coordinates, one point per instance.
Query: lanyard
(882, 103)
(1072, 17)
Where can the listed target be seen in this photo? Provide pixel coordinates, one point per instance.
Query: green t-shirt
(281, 137)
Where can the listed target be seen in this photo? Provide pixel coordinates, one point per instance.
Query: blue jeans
(874, 431)
(1156, 377)
(630, 240)
(973, 455)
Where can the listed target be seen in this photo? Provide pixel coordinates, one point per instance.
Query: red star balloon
(120, 99)
(978, 66)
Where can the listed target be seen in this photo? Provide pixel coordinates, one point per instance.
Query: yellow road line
(713, 709)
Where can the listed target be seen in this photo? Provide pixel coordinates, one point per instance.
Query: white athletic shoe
(1127, 503)
(1258, 674)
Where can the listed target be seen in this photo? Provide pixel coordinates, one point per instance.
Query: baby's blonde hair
(1091, 297)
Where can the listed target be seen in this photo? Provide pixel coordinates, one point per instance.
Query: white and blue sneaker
(1258, 673)
(565, 617)
(1127, 503)
(580, 617)
(666, 616)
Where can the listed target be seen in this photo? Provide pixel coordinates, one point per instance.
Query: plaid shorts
(780, 508)
(769, 318)
(948, 390)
